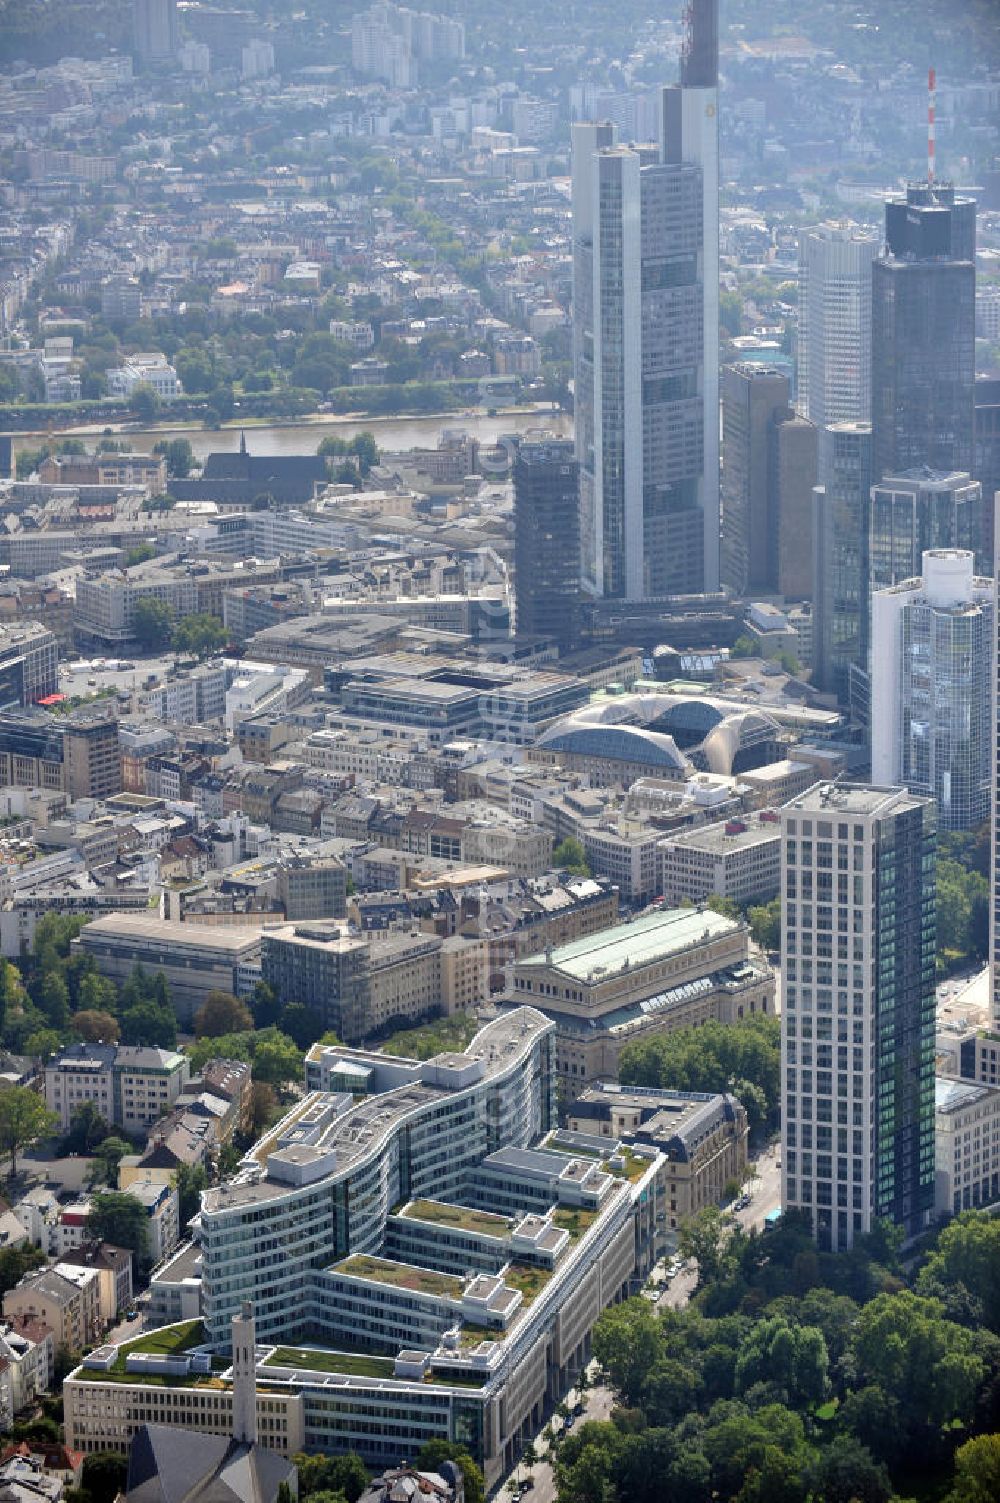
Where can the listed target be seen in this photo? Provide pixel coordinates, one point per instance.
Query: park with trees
(796, 1376)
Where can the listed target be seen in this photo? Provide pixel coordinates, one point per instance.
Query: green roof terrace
(460, 1218)
(401, 1275)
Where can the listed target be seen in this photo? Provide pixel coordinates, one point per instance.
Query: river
(303, 436)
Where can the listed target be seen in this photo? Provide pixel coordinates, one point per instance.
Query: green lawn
(351, 1364)
(441, 1213)
(531, 1281)
(438, 1037)
(574, 1221)
(169, 1341)
(401, 1275)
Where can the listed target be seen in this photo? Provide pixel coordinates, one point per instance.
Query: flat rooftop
(727, 835)
(138, 928)
(853, 798)
(365, 1128)
(631, 946)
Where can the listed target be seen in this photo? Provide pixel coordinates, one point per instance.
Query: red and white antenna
(931, 99)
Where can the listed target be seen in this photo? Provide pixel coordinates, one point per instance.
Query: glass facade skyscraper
(857, 1025)
(931, 681)
(840, 543)
(834, 330)
(923, 333)
(547, 541)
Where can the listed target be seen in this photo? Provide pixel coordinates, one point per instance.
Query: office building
(671, 968)
(923, 333)
(966, 1145)
(915, 512)
(841, 504)
(92, 766)
(154, 24)
(77, 754)
(444, 1255)
(547, 542)
(738, 858)
(645, 289)
(857, 1022)
(29, 663)
(931, 680)
(703, 1138)
(194, 960)
(834, 327)
(768, 473)
(986, 457)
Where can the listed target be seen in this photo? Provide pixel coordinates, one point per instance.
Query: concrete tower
(244, 1376)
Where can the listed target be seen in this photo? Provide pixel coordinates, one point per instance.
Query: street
(598, 1401)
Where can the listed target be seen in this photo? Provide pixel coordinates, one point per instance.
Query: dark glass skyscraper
(840, 559)
(923, 333)
(547, 541)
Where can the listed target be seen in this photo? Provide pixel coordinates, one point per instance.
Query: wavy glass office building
(423, 1254)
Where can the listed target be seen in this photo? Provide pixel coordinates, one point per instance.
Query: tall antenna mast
(931, 99)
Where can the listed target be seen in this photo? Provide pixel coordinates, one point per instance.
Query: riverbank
(304, 434)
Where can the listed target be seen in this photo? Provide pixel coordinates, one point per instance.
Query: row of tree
(796, 1375)
(743, 1057)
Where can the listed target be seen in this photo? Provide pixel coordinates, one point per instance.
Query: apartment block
(132, 1086)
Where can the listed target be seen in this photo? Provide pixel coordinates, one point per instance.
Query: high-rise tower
(857, 1018)
(834, 329)
(645, 304)
(923, 333)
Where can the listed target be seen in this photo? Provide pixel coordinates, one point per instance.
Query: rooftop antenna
(931, 101)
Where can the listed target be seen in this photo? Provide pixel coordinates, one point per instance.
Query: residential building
(857, 1018)
(152, 370)
(931, 653)
(834, 354)
(131, 1085)
(923, 333)
(193, 959)
(669, 969)
(113, 1266)
(738, 858)
(63, 1297)
(27, 1366)
(966, 1145)
(161, 1206)
(547, 541)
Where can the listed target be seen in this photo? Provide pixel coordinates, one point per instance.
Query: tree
(16, 1261)
(977, 1471)
(150, 1023)
(765, 924)
(144, 403)
(43, 1043)
(24, 1117)
(302, 1024)
(221, 1012)
(96, 994)
(905, 1344)
(199, 634)
(107, 1157)
(104, 1475)
(434, 1452)
(87, 1128)
(152, 623)
(95, 1025)
(703, 1238)
(570, 856)
(793, 1357)
(846, 1472)
(52, 998)
(264, 1102)
(178, 454)
(277, 1060)
(120, 1219)
(265, 1005)
(627, 1343)
(967, 1254)
(346, 1474)
(190, 1180)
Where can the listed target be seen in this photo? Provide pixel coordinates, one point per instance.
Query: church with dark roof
(240, 478)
